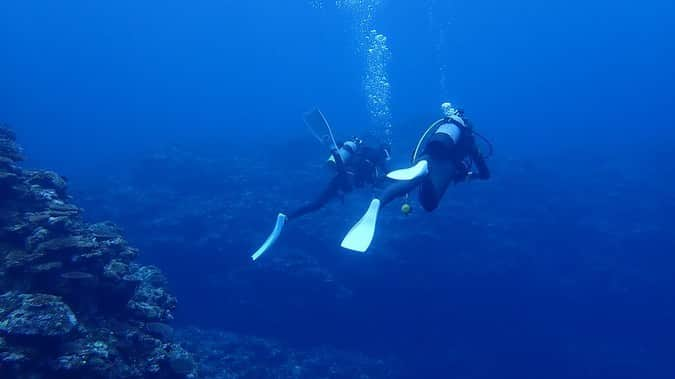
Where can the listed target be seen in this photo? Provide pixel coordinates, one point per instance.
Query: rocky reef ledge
(73, 304)
(223, 355)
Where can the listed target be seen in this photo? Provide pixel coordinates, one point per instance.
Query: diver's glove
(473, 175)
(470, 176)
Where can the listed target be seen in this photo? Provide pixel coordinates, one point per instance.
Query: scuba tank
(453, 122)
(451, 129)
(452, 125)
(346, 152)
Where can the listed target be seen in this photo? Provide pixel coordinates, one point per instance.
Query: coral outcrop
(224, 355)
(72, 301)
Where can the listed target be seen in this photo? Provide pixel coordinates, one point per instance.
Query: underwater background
(181, 122)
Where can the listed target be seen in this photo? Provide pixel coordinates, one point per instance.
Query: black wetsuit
(448, 162)
(365, 167)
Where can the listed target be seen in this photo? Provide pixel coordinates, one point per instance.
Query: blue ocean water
(181, 122)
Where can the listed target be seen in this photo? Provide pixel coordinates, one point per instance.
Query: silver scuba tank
(346, 151)
(452, 128)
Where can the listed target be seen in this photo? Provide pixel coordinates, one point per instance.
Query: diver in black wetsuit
(451, 153)
(356, 165)
(449, 156)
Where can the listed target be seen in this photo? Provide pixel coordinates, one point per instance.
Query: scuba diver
(355, 165)
(450, 155)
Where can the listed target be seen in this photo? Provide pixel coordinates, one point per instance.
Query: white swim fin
(272, 238)
(410, 173)
(361, 234)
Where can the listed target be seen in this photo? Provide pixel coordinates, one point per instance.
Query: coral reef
(72, 301)
(231, 356)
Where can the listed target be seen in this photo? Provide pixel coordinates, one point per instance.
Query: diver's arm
(383, 167)
(482, 170)
(380, 175)
(339, 164)
(382, 161)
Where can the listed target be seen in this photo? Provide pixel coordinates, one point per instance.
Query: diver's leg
(398, 189)
(324, 197)
(441, 173)
(329, 192)
(361, 234)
